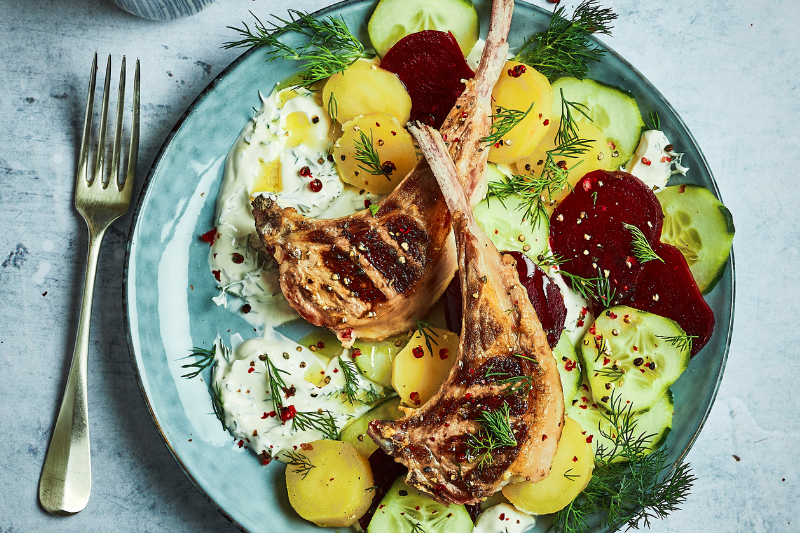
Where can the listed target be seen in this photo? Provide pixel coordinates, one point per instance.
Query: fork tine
(101, 144)
(133, 154)
(83, 158)
(118, 132)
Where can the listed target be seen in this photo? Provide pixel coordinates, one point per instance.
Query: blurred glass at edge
(162, 9)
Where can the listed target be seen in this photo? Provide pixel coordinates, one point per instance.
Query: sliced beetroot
(431, 66)
(384, 472)
(668, 289)
(543, 293)
(587, 228)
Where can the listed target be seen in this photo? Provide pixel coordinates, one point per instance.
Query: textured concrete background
(729, 68)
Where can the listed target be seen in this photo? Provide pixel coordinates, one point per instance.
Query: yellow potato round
(391, 142)
(364, 88)
(518, 92)
(570, 473)
(597, 157)
(333, 491)
(416, 372)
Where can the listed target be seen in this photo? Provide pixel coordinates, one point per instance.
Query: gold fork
(66, 479)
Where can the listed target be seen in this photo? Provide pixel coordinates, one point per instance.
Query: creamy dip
(503, 518)
(655, 160)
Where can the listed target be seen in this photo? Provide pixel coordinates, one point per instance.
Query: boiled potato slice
(392, 145)
(597, 157)
(364, 88)
(355, 432)
(520, 86)
(329, 483)
(570, 473)
(374, 358)
(416, 372)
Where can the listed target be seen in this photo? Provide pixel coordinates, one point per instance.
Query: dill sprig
(301, 463)
(550, 259)
(602, 347)
(276, 382)
(216, 403)
(681, 342)
(370, 397)
(571, 477)
(567, 127)
(330, 47)
(598, 289)
(206, 360)
(350, 373)
(655, 121)
(321, 421)
(425, 331)
(641, 247)
(503, 121)
(495, 432)
(612, 373)
(565, 48)
(630, 492)
(367, 155)
(417, 527)
(333, 107)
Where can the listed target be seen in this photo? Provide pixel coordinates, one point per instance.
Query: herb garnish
(495, 432)
(598, 289)
(503, 121)
(632, 492)
(333, 108)
(368, 156)
(425, 331)
(550, 259)
(565, 48)
(216, 403)
(417, 528)
(641, 247)
(681, 342)
(321, 420)
(301, 463)
(206, 359)
(276, 383)
(350, 373)
(655, 121)
(330, 48)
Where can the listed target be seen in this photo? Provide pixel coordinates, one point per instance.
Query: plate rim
(335, 7)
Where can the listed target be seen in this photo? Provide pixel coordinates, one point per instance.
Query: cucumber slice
(503, 222)
(633, 355)
(655, 423)
(407, 510)
(375, 358)
(394, 19)
(322, 342)
(612, 110)
(568, 367)
(355, 432)
(698, 225)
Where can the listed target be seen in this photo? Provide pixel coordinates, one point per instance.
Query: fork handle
(66, 479)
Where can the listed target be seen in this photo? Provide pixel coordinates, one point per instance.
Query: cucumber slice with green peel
(406, 510)
(698, 225)
(611, 109)
(394, 19)
(655, 423)
(323, 342)
(374, 358)
(355, 432)
(504, 223)
(633, 356)
(568, 367)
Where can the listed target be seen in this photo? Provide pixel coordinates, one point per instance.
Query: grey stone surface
(729, 68)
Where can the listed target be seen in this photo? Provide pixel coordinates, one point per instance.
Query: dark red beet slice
(587, 228)
(431, 66)
(543, 293)
(384, 472)
(668, 289)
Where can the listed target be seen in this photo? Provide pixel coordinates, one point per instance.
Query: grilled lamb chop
(365, 276)
(501, 339)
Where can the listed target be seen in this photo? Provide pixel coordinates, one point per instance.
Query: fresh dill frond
(571, 477)
(567, 127)
(276, 383)
(503, 121)
(321, 421)
(598, 288)
(329, 48)
(425, 331)
(629, 486)
(550, 259)
(368, 157)
(301, 463)
(216, 403)
(333, 107)
(681, 342)
(655, 121)
(602, 347)
(370, 397)
(206, 360)
(522, 384)
(613, 373)
(350, 373)
(565, 48)
(641, 247)
(416, 527)
(495, 432)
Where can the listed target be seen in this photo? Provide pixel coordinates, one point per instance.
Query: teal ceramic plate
(168, 288)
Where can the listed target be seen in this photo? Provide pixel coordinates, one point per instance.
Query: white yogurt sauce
(241, 382)
(579, 317)
(653, 163)
(503, 518)
(289, 132)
